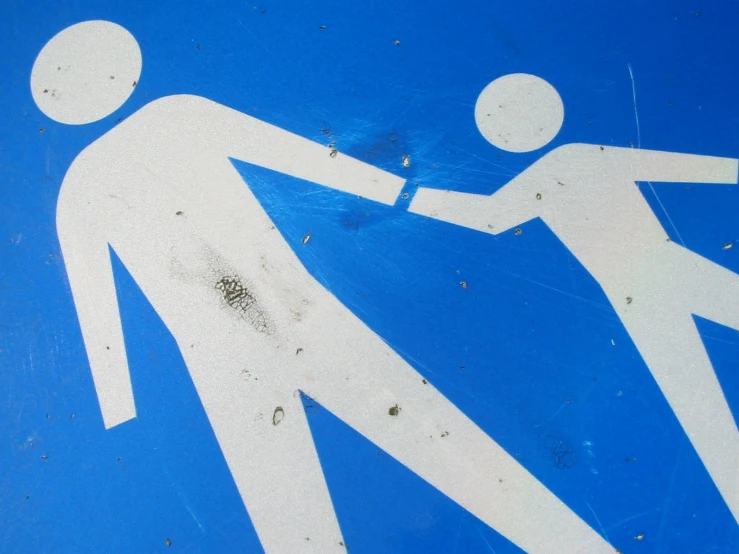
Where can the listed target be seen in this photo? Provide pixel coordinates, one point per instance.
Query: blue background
(531, 349)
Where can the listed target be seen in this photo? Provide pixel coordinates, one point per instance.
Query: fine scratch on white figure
(254, 327)
(587, 195)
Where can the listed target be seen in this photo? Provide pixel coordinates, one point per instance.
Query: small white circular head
(519, 112)
(86, 72)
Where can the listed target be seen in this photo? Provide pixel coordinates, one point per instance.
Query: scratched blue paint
(525, 349)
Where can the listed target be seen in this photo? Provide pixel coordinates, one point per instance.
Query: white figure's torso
(588, 197)
(162, 192)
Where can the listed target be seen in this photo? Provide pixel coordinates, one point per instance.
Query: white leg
(387, 401)
(262, 430)
(675, 355)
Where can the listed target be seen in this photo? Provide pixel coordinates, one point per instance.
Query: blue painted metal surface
(531, 349)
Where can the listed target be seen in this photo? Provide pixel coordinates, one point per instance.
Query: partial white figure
(254, 327)
(587, 195)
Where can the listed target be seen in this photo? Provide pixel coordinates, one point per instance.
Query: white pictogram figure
(254, 327)
(587, 195)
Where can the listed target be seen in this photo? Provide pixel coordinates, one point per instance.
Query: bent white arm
(515, 202)
(511, 205)
(87, 260)
(670, 167)
(253, 141)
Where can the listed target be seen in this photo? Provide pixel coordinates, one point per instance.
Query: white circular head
(519, 112)
(86, 72)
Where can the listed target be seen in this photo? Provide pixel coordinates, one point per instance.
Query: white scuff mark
(406, 161)
(632, 517)
(187, 507)
(636, 111)
(597, 519)
(638, 146)
(183, 498)
(485, 540)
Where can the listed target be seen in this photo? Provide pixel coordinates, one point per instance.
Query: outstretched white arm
(670, 167)
(87, 260)
(253, 141)
(509, 206)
